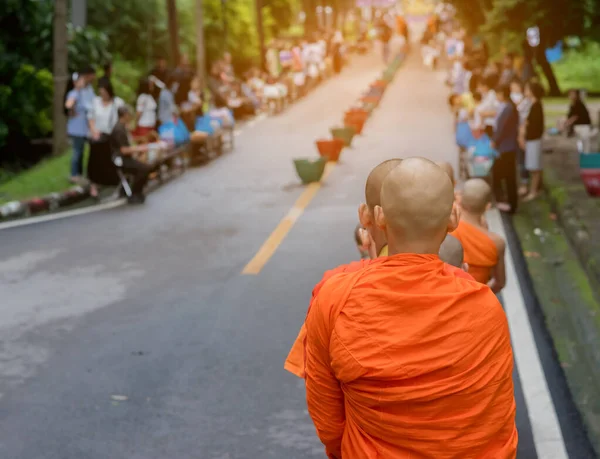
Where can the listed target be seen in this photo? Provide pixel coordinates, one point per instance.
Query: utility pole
(79, 13)
(60, 75)
(173, 32)
(261, 33)
(200, 53)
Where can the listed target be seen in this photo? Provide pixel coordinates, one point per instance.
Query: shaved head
(451, 251)
(417, 199)
(375, 182)
(449, 170)
(476, 196)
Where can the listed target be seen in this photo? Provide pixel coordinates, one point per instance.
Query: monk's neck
(470, 217)
(417, 247)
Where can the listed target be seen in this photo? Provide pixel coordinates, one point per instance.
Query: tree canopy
(504, 22)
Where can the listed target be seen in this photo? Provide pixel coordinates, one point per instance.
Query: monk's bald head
(451, 251)
(447, 167)
(375, 182)
(476, 196)
(417, 199)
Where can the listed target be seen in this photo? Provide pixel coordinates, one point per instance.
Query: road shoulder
(568, 304)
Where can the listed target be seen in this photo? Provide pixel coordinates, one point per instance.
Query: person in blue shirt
(77, 126)
(505, 141)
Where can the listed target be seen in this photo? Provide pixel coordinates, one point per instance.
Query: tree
(60, 74)
(200, 52)
(504, 24)
(173, 32)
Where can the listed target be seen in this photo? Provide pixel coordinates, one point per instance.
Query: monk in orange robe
(372, 242)
(484, 250)
(457, 192)
(403, 358)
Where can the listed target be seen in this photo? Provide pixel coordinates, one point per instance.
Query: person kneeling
(123, 152)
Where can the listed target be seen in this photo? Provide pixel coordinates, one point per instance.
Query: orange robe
(400, 25)
(295, 361)
(481, 253)
(405, 359)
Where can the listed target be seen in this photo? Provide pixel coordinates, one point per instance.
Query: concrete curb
(49, 203)
(571, 310)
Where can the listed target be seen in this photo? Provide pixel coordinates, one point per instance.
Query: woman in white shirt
(145, 109)
(102, 118)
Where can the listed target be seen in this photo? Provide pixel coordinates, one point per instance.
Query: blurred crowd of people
(167, 95)
(501, 100)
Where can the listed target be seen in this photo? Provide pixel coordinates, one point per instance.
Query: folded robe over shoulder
(481, 253)
(404, 359)
(294, 363)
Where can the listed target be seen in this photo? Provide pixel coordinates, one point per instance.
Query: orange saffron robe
(404, 359)
(295, 361)
(481, 253)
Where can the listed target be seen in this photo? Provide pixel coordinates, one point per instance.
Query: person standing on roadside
(534, 131)
(77, 126)
(505, 141)
(102, 118)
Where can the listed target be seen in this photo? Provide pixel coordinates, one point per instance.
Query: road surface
(132, 332)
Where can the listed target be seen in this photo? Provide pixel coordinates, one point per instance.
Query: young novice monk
(366, 215)
(403, 358)
(457, 192)
(484, 250)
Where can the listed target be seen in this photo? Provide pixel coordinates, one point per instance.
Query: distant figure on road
(385, 35)
(404, 357)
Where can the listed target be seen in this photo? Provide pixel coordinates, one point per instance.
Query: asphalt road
(131, 333)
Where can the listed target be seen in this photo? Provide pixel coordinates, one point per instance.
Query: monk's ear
(364, 216)
(379, 218)
(488, 206)
(454, 218)
(465, 267)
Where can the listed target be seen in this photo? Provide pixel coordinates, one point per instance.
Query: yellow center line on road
(275, 239)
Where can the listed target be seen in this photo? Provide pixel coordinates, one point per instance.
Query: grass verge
(568, 298)
(48, 176)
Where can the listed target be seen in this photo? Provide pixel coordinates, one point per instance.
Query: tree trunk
(261, 33)
(200, 51)
(548, 72)
(173, 32)
(60, 76)
(310, 23)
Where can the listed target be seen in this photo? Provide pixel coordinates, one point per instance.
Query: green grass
(579, 68)
(564, 101)
(49, 176)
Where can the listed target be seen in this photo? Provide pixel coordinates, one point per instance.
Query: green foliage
(25, 103)
(580, 68)
(141, 32)
(87, 47)
(126, 77)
